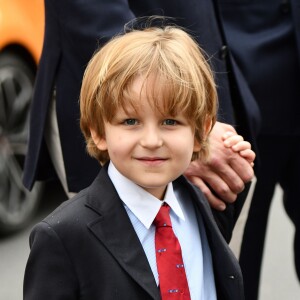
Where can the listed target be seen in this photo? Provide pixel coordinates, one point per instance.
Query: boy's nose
(151, 138)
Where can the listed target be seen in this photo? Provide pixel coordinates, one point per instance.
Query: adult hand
(224, 174)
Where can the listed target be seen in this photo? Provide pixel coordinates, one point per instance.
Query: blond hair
(170, 56)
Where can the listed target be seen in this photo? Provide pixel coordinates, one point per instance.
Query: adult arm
(224, 174)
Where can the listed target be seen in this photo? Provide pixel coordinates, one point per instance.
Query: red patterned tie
(172, 278)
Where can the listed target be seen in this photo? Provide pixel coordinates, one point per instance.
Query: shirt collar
(142, 204)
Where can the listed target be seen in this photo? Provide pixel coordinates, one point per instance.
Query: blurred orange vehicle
(21, 39)
(22, 26)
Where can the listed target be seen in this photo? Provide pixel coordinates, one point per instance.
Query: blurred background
(21, 37)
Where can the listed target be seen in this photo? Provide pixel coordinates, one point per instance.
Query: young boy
(148, 102)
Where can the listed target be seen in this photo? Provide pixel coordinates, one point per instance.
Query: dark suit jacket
(264, 37)
(88, 249)
(74, 29)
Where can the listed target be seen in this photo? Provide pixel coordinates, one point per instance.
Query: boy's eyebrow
(129, 109)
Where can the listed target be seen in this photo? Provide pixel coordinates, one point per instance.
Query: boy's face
(145, 147)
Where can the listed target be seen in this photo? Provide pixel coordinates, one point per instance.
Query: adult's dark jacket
(267, 50)
(74, 29)
(88, 249)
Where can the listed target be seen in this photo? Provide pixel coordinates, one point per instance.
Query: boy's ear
(100, 142)
(207, 129)
(197, 146)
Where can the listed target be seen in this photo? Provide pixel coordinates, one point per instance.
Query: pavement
(278, 282)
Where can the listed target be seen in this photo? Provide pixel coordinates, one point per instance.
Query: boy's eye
(130, 122)
(169, 122)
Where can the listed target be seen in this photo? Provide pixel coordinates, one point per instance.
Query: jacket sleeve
(226, 220)
(49, 273)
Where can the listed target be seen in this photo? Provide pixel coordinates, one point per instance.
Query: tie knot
(162, 218)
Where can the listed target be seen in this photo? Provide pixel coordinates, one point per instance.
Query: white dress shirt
(142, 208)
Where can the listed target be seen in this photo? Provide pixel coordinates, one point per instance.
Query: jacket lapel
(227, 272)
(114, 229)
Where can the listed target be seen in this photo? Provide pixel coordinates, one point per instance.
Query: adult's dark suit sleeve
(38, 163)
(226, 220)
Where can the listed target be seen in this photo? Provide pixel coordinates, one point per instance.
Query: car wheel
(17, 204)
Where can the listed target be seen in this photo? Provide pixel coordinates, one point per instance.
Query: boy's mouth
(151, 160)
